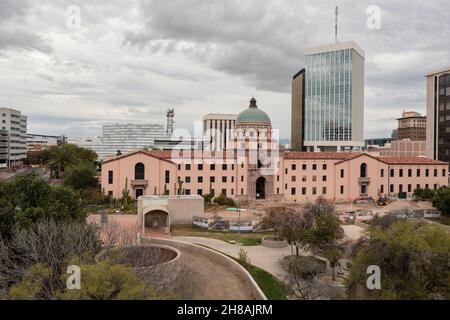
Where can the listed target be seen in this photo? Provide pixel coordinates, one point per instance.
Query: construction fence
(223, 225)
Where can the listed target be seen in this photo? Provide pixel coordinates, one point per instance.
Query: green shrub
(93, 196)
(208, 197)
(423, 194)
(224, 201)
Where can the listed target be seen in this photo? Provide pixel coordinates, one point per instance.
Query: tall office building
(122, 137)
(334, 97)
(218, 130)
(438, 114)
(13, 139)
(130, 137)
(298, 110)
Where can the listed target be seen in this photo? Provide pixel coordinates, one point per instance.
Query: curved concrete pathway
(260, 256)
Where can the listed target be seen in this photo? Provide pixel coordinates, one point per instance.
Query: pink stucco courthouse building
(254, 168)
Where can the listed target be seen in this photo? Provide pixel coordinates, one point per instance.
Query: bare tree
(112, 235)
(48, 243)
(291, 226)
(299, 274)
(273, 219)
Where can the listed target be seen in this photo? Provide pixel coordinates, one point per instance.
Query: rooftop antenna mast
(336, 25)
(170, 121)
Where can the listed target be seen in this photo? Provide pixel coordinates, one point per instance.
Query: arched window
(363, 170)
(139, 171)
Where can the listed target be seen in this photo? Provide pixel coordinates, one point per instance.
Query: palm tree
(61, 157)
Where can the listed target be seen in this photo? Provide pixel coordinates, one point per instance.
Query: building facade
(13, 139)
(218, 131)
(38, 142)
(253, 169)
(334, 97)
(300, 176)
(298, 110)
(123, 138)
(412, 126)
(438, 114)
(129, 137)
(405, 148)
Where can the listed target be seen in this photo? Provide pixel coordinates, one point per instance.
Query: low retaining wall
(336, 291)
(362, 224)
(215, 256)
(173, 261)
(267, 242)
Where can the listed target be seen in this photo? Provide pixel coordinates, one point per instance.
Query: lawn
(247, 239)
(442, 220)
(273, 288)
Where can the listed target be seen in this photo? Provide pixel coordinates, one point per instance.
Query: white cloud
(131, 60)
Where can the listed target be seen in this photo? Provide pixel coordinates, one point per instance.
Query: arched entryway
(260, 188)
(157, 219)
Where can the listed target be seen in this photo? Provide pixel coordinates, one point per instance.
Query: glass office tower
(334, 97)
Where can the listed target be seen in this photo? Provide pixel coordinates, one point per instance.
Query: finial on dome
(253, 103)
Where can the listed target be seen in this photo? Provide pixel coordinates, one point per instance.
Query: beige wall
(431, 143)
(297, 113)
(308, 180)
(181, 209)
(352, 187)
(405, 148)
(124, 168)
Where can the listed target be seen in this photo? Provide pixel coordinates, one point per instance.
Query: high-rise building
(298, 110)
(412, 126)
(93, 143)
(13, 139)
(438, 114)
(334, 97)
(122, 138)
(218, 130)
(130, 137)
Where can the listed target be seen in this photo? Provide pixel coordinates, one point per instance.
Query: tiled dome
(253, 115)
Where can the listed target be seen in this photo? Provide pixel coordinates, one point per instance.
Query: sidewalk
(260, 256)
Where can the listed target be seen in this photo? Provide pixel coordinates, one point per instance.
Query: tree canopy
(413, 258)
(29, 198)
(60, 158)
(81, 176)
(441, 201)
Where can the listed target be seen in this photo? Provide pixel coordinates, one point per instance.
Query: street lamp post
(239, 213)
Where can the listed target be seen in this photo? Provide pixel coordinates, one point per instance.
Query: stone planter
(270, 242)
(335, 291)
(142, 257)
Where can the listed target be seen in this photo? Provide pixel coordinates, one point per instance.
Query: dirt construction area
(257, 211)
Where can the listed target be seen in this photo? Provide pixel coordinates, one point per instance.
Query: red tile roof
(294, 155)
(163, 155)
(290, 155)
(168, 155)
(410, 160)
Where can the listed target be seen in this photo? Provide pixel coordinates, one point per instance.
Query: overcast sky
(130, 60)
